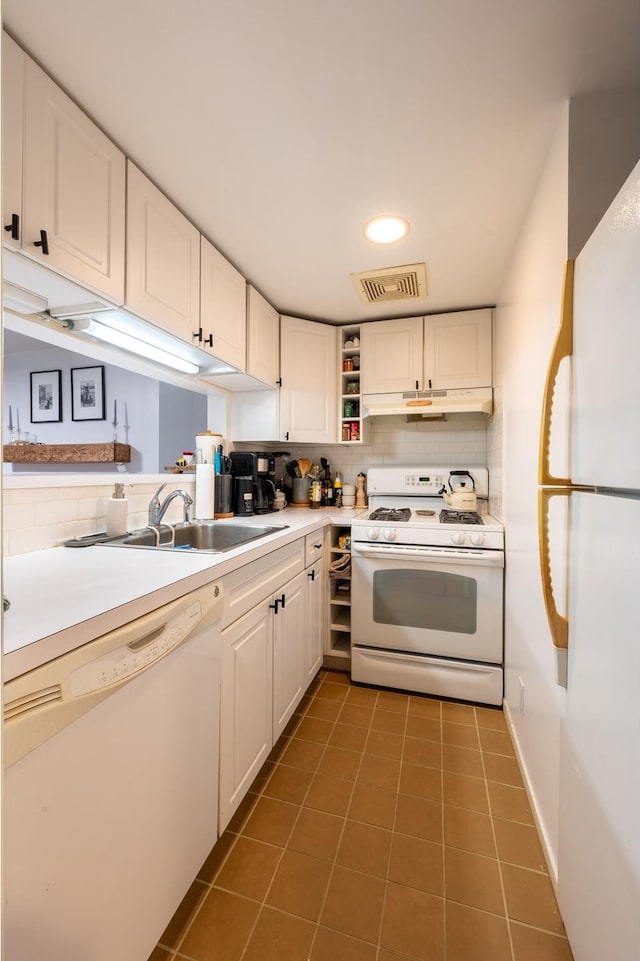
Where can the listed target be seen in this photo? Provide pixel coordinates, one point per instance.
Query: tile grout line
(393, 831)
(495, 842)
(211, 884)
(344, 825)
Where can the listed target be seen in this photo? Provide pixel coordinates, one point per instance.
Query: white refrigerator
(598, 641)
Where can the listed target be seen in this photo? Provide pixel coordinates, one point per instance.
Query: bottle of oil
(337, 490)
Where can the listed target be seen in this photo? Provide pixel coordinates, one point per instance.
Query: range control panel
(425, 483)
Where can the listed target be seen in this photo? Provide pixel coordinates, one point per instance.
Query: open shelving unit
(338, 650)
(350, 427)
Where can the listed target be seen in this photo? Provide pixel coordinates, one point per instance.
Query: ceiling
(280, 127)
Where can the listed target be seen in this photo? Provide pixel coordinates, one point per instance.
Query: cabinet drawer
(313, 547)
(249, 585)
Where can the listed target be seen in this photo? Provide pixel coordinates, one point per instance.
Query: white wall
(526, 323)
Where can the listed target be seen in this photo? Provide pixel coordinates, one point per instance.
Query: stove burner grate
(460, 517)
(396, 514)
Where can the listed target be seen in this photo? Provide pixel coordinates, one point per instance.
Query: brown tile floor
(383, 827)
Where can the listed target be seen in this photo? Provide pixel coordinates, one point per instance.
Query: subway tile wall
(460, 441)
(35, 518)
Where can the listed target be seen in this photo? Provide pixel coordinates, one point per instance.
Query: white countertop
(62, 598)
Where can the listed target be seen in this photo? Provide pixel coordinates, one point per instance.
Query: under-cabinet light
(118, 338)
(21, 300)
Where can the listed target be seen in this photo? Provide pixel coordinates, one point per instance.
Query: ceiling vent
(392, 283)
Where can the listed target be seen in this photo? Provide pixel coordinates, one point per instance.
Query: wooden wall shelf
(66, 453)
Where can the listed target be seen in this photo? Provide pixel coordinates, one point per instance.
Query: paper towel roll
(205, 491)
(207, 442)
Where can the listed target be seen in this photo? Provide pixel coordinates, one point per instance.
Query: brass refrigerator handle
(563, 347)
(558, 624)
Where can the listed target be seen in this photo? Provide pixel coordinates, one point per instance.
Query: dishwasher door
(111, 788)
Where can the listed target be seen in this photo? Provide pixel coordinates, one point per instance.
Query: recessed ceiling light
(384, 230)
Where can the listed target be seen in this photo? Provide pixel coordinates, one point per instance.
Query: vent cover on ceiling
(392, 283)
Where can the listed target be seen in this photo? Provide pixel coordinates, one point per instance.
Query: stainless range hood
(429, 404)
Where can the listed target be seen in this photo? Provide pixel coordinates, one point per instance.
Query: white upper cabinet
(441, 351)
(13, 70)
(308, 369)
(391, 355)
(263, 339)
(223, 308)
(163, 259)
(64, 180)
(457, 349)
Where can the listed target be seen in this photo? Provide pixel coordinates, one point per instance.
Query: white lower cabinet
(313, 633)
(288, 652)
(270, 654)
(245, 706)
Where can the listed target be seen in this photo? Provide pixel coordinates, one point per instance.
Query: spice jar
(347, 363)
(346, 431)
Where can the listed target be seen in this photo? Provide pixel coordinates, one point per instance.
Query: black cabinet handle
(197, 334)
(279, 380)
(274, 606)
(282, 600)
(43, 242)
(209, 340)
(429, 383)
(286, 436)
(312, 575)
(317, 547)
(417, 382)
(14, 227)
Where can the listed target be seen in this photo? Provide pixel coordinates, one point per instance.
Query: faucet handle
(161, 488)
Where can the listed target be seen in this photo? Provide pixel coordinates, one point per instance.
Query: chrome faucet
(157, 510)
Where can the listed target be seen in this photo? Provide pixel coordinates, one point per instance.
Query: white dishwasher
(111, 786)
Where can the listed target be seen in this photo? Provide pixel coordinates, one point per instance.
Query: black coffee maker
(260, 467)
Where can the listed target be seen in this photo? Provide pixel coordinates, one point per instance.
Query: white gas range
(427, 588)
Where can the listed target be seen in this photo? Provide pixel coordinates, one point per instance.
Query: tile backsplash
(460, 441)
(35, 518)
(38, 517)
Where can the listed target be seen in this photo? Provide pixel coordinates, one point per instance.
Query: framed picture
(87, 393)
(46, 396)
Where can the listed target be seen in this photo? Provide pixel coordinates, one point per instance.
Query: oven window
(430, 600)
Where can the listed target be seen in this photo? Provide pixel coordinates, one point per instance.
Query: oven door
(427, 600)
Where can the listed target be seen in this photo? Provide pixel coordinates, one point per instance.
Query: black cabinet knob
(14, 227)
(197, 334)
(209, 340)
(312, 575)
(43, 242)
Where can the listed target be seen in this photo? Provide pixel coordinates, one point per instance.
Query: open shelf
(350, 426)
(66, 453)
(338, 645)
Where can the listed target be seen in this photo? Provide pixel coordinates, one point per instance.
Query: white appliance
(427, 588)
(111, 786)
(599, 847)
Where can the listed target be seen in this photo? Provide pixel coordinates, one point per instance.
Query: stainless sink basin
(213, 537)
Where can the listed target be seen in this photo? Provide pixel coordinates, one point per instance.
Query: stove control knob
(390, 535)
(458, 538)
(477, 540)
(373, 533)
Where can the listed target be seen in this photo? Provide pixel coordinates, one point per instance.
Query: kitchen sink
(210, 536)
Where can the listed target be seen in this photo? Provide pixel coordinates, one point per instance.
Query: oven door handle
(444, 555)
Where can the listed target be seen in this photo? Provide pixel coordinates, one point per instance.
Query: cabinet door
(457, 349)
(308, 394)
(245, 705)
(391, 356)
(13, 68)
(163, 259)
(263, 335)
(74, 189)
(314, 622)
(288, 653)
(223, 307)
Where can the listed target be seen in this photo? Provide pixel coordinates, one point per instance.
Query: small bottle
(330, 492)
(117, 512)
(316, 494)
(337, 490)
